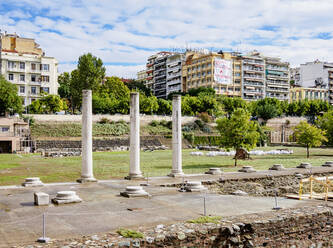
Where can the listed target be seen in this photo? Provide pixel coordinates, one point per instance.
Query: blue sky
(124, 33)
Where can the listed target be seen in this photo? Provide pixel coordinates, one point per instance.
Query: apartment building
(300, 93)
(24, 64)
(149, 82)
(277, 79)
(205, 69)
(330, 86)
(253, 76)
(141, 76)
(174, 65)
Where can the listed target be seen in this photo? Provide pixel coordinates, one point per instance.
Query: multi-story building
(315, 74)
(330, 86)
(174, 73)
(149, 82)
(200, 70)
(24, 64)
(253, 75)
(156, 70)
(300, 93)
(277, 79)
(141, 76)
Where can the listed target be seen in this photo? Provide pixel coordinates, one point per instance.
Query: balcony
(253, 76)
(253, 62)
(15, 69)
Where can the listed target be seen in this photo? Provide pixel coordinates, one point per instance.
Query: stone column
(87, 160)
(176, 137)
(135, 171)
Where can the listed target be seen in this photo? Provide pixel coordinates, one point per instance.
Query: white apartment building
(174, 73)
(315, 74)
(253, 76)
(24, 64)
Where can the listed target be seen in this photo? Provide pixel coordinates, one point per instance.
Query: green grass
(128, 233)
(14, 167)
(206, 219)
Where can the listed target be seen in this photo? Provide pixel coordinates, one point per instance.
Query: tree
(309, 136)
(148, 105)
(89, 75)
(64, 89)
(230, 104)
(9, 99)
(205, 90)
(164, 107)
(138, 86)
(325, 122)
(267, 108)
(238, 131)
(48, 104)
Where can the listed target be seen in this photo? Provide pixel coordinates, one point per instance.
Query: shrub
(128, 233)
(200, 123)
(154, 123)
(205, 117)
(104, 121)
(189, 137)
(206, 219)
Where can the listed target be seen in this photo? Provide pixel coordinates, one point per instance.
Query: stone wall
(116, 144)
(144, 119)
(303, 227)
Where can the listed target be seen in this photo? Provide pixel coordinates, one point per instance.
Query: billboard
(223, 71)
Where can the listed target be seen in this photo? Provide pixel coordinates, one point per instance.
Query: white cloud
(67, 29)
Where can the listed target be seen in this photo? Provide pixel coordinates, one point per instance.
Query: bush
(154, 123)
(128, 233)
(200, 123)
(206, 219)
(104, 121)
(207, 140)
(189, 137)
(205, 117)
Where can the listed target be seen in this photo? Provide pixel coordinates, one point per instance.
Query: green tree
(238, 131)
(309, 136)
(267, 108)
(89, 74)
(230, 104)
(196, 91)
(148, 105)
(9, 99)
(64, 89)
(164, 107)
(325, 122)
(134, 85)
(48, 104)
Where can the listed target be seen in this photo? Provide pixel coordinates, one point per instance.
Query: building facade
(277, 79)
(199, 71)
(24, 64)
(300, 93)
(141, 76)
(253, 76)
(174, 65)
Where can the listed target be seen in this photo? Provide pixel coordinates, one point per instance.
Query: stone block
(134, 191)
(32, 182)
(247, 169)
(328, 164)
(41, 199)
(194, 186)
(65, 197)
(214, 171)
(304, 165)
(277, 167)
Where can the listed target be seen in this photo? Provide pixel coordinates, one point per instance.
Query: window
(33, 78)
(22, 89)
(22, 78)
(22, 65)
(33, 90)
(4, 129)
(11, 64)
(45, 89)
(44, 67)
(33, 66)
(237, 74)
(45, 79)
(10, 77)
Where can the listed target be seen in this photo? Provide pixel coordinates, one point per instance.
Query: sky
(123, 33)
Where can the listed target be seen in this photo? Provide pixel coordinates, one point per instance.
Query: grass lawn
(15, 167)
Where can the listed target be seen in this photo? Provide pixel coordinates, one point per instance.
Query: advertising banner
(223, 71)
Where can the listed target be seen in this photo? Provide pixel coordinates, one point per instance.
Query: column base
(87, 180)
(176, 174)
(134, 177)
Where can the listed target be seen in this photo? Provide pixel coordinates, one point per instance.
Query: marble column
(135, 172)
(176, 137)
(87, 160)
